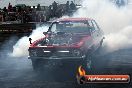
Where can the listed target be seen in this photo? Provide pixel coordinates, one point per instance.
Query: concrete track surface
(18, 72)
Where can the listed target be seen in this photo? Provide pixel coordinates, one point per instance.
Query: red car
(68, 42)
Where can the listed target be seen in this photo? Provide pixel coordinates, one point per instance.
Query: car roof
(73, 19)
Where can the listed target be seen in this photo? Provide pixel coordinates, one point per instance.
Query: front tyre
(36, 64)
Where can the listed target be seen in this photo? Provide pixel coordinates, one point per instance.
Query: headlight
(77, 53)
(32, 53)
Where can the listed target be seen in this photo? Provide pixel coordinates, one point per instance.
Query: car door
(96, 34)
(92, 34)
(99, 31)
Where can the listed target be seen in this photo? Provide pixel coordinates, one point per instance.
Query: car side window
(92, 27)
(90, 23)
(53, 27)
(95, 25)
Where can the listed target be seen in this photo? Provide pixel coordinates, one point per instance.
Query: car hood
(62, 40)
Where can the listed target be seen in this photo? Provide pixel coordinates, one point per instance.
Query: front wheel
(36, 64)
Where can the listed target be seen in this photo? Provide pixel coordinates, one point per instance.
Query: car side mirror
(49, 33)
(30, 40)
(44, 33)
(49, 28)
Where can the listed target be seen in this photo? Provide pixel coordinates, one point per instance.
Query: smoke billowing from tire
(115, 22)
(20, 49)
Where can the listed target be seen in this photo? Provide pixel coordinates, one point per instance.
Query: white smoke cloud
(20, 49)
(120, 40)
(115, 22)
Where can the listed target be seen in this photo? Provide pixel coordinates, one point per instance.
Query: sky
(4, 3)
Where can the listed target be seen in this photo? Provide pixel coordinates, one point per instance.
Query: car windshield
(72, 27)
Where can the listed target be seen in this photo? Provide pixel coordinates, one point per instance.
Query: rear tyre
(100, 45)
(99, 49)
(88, 64)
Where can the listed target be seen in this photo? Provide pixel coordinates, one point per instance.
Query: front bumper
(66, 62)
(56, 58)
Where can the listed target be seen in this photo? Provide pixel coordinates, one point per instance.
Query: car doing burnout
(68, 41)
